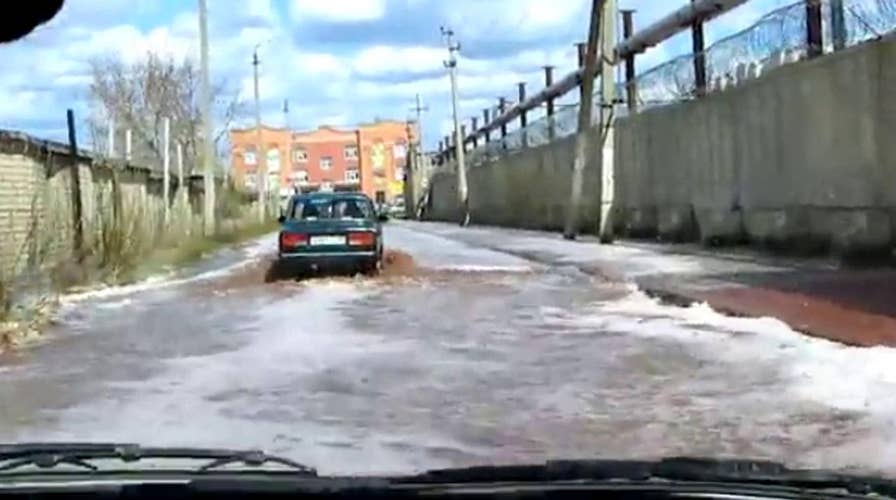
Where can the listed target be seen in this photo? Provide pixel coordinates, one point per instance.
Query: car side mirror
(281, 219)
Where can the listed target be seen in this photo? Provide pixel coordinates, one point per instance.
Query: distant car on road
(398, 209)
(330, 231)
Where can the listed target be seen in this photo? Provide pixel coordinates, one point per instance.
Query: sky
(337, 62)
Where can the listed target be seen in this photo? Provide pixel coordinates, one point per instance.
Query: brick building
(371, 158)
(384, 151)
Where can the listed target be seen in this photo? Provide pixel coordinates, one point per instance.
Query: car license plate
(327, 240)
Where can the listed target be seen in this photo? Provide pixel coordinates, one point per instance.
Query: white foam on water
(844, 377)
(480, 268)
(435, 252)
(221, 399)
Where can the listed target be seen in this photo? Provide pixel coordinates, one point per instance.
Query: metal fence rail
(777, 38)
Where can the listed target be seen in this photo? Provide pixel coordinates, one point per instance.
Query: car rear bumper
(292, 264)
(346, 255)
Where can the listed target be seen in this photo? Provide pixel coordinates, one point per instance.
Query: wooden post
(77, 207)
(582, 135)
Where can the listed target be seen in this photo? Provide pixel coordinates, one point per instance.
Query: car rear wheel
(371, 267)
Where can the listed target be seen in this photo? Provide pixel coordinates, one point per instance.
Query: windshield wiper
(684, 469)
(49, 455)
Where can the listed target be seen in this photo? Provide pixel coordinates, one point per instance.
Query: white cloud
(382, 59)
(337, 10)
(514, 19)
(340, 84)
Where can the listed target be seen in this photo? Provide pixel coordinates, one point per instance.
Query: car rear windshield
(331, 208)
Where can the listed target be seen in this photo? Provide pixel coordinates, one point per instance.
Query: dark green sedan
(330, 231)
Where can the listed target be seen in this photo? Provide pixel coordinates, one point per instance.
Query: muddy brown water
(428, 366)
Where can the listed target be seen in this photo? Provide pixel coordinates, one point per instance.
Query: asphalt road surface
(459, 354)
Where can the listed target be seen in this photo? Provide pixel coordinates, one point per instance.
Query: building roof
(263, 127)
(324, 132)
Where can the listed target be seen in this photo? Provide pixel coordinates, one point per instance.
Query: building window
(326, 163)
(299, 155)
(300, 176)
(399, 150)
(352, 175)
(399, 174)
(273, 157)
(380, 197)
(351, 152)
(326, 186)
(249, 156)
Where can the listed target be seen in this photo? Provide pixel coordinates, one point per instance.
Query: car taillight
(292, 240)
(362, 239)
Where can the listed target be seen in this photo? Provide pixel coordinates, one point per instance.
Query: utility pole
(451, 64)
(416, 173)
(419, 109)
(166, 167)
(584, 128)
(260, 157)
(208, 153)
(608, 18)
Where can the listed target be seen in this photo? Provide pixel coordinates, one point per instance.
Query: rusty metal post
(838, 24)
(698, 48)
(548, 81)
(485, 121)
(814, 37)
(581, 47)
(631, 88)
(475, 124)
(502, 107)
(521, 94)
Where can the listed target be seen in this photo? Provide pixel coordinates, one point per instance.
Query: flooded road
(458, 355)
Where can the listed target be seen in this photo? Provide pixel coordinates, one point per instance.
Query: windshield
(385, 236)
(348, 208)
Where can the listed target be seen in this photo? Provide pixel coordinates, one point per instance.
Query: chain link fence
(778, 38)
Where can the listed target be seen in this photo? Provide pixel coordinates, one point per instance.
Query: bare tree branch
(140, 96)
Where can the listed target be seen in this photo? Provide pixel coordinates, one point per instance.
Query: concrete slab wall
(528, 189)
(802, 159)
